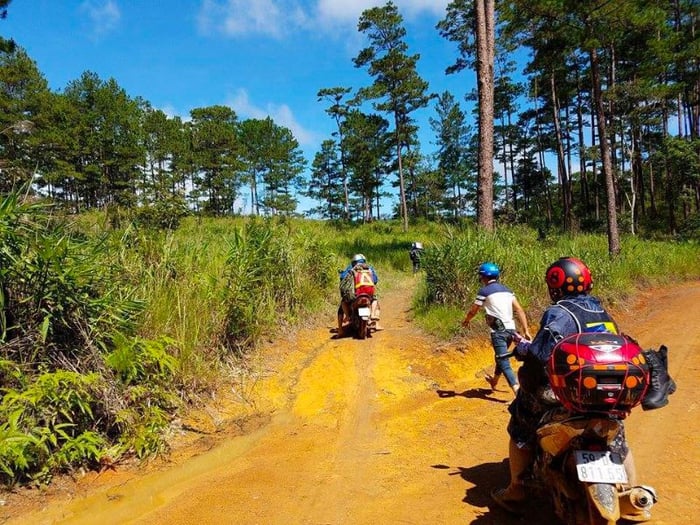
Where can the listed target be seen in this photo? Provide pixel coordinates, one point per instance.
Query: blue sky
(260, 57)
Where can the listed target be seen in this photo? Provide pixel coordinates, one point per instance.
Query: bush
(69, 358)
(273, 274)
(164, 214)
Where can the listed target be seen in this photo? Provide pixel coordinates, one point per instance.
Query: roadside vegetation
(112, 328)
(523, 256)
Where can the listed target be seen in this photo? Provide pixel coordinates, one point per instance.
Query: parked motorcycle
(580, 461)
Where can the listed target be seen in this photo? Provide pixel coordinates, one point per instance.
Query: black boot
(660, 383)
(663, 354)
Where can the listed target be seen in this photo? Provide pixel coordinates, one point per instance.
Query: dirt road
(392, 430)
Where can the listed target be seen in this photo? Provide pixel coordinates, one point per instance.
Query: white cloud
(341, 11)
(281, 114)
(103, 15)
(274, 18)
(279, 18)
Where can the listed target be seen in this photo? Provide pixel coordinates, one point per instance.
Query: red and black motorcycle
(580, 460)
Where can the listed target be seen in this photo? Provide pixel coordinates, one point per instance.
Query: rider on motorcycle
(344, 310)
(573, 310)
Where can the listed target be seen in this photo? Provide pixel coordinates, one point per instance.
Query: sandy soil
(395, 429)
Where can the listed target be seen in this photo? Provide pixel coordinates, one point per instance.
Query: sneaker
(492, 381)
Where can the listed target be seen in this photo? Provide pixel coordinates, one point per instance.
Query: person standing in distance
(415, 254)
(499, 303)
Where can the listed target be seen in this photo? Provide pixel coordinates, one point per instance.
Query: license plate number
(363, 312)
(600, 467)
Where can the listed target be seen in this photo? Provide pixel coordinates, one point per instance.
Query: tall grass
(451, 266)
(65, 306)
(275, 273)
(217, 287)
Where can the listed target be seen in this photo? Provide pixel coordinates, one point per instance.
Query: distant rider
(345, 306)
(415, 254)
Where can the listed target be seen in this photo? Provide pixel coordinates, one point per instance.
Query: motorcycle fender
(604, 498)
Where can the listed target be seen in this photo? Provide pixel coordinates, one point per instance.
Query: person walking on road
(415, 253)
(499, 303)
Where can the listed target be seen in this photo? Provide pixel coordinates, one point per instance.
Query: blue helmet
(489, 270)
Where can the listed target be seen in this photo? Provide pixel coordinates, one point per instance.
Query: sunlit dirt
(396, 429)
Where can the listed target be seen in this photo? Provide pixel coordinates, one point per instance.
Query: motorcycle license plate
(363, 312)
(600, 467)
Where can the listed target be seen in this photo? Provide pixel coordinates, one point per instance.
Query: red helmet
(568, 276)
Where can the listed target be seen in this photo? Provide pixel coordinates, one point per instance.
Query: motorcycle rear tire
(362, 329)
(575, 515)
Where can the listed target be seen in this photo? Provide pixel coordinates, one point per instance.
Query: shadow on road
(487, 476)
(472, 393)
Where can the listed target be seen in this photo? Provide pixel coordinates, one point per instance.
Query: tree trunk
(613, 234)
(485, 36)
(561, 160)
(402, 184)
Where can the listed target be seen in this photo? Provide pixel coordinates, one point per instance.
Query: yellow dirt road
(395, 429)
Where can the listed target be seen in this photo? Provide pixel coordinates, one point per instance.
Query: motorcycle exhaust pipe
(636, 503)
(642, 497)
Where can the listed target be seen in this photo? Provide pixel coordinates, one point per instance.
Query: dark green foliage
(165, 214)
(327, 182)
(146, 370)
(70, 370)
(135, 360)
(690, 228)
(50, 425)
(59, 302)
(397, 88)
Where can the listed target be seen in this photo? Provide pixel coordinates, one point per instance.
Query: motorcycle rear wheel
(363, 329)
(584, 512)
(594, 517)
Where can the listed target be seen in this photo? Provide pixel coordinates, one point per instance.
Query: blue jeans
(500, 339)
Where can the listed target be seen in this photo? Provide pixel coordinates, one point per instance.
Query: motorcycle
(360, 320)
(579, 464)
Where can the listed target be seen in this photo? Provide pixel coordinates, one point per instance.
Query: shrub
(273, 274)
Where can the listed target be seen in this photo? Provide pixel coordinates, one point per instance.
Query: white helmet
(358, 258)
